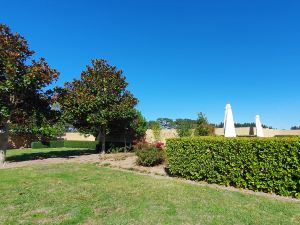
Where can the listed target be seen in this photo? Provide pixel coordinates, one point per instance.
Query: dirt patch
(128, 161)
(119, 160)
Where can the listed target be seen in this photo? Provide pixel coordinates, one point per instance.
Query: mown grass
(17, 155)
(88, 194)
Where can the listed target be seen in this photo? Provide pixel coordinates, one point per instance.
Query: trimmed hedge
(81, 144)
(65, 143)
(261, 164)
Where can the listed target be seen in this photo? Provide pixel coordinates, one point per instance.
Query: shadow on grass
(50, 154)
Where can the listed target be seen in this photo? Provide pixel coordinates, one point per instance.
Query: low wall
(172, 133)
(164, 135)
(25, 141)
(245, 131)
(78, 137)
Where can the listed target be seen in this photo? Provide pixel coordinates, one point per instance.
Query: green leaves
(269, 164)
(99, 101)
(22, 84)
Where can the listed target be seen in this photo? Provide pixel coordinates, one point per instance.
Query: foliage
(185, 127)
(149, 154)
(39, 126)
(259, 164)
(97, 100)
(166, 123)
(22, 85)
(138, 126)
(150, 157)
(203, 128)
(156, 129)
(65, 143)
(118, 147)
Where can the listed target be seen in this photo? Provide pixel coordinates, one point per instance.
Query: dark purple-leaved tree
(23, 84)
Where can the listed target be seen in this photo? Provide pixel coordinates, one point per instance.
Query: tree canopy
(23, 82)
(94, 103)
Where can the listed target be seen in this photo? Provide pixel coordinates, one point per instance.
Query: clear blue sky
(179, 57)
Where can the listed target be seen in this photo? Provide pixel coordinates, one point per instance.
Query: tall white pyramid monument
(229, 129)
(259, 128)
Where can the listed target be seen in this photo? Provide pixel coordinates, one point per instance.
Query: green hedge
(81, 144)
(65, 143)
(260, 164)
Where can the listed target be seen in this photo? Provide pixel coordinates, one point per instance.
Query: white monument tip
(259, 128)
(229, 129)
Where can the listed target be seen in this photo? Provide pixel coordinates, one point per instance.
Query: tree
(185, 127)
(97, 100)
(295, 128)
(166, 123)
(138, 126)
(156, 129)
(133, 128)
(203, 128)
(23, 85)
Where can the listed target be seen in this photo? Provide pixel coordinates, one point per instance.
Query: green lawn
(88, 194)
(31, 154)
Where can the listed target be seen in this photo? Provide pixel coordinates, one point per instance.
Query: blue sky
(179, 57)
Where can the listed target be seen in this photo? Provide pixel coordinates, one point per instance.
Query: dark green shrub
(39, 144)
(261, 164)
(150, 157)
(81, 144)
(56, 144)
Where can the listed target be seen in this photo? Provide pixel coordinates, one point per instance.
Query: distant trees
(185, 127)
(237, 125)
(100, 101)
(24, 97)
(166, 123)
(295, 128)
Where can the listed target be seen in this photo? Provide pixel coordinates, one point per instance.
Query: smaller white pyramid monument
(229, 129)
(259, 128)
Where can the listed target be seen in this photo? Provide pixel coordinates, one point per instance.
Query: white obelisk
(229, 129)
(259, 128)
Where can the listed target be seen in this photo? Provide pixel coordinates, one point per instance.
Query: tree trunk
(3, 144)
(102, 138)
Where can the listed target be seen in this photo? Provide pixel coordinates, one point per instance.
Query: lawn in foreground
(89, 194)
(43, 153)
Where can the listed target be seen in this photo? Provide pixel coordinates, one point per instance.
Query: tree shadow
(51, 154)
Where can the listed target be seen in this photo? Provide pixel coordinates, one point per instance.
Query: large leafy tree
(22, 84)
(98, 100)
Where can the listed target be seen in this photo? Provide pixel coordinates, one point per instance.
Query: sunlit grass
(88, 194)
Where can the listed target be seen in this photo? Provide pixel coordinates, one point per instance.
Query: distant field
(88, 194)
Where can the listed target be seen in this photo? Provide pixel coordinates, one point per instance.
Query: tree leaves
(269, 164)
